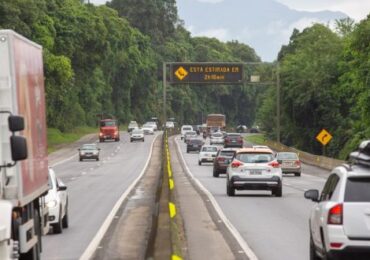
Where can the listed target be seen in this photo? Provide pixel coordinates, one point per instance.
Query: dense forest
(108, 60)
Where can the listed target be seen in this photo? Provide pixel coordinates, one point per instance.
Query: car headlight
(52, 204)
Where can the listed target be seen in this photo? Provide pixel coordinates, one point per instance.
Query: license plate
(255, 172)
(287, 164)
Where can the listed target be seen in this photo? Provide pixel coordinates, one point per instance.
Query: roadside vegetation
(256, 138)
(108, 60)
(57, 139)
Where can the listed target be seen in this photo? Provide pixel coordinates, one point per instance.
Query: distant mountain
(263, 24)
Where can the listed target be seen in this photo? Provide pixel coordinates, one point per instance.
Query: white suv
(254, 169)
(340, 220)
(184, 129)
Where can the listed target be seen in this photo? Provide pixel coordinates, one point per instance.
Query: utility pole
(278, 103)
(164, 92)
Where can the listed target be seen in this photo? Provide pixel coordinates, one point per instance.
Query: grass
(56, 138)
(256, 139)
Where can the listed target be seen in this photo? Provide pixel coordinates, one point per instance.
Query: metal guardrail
(316, 160)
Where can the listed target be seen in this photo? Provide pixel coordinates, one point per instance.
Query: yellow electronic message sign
(206, 73)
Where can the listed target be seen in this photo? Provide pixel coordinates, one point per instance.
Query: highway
(274, 228)
(93, 188)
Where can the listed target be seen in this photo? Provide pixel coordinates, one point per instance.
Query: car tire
(313, 255)
(297, 174)
(230, 190)
(187, 151)
(65, 221)
(80, 159)
(278, 191)
(130, 140)
(143, 139)
(117, 139)
(97, 159)
(58, 227)
(199, 163)
(101, 140)
(216, 173)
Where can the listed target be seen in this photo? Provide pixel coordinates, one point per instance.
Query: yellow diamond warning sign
(181, 73)
(324, 137)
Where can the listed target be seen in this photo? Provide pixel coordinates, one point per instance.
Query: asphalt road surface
(93, 189)
(274, 228)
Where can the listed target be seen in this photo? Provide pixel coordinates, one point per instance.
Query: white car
(170, 124)
(57, 203)
(254, 169)
(184, 129)
(153, 124)
(217, 138)
(207, 154)
(340, 219)
(148, 129)
(137, 135)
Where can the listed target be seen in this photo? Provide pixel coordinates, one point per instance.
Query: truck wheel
(97, 158)
(199, 163)
(57, 227)
(101, 140)
(230, 190)
(297, 174)
(80, 159)
(117, 139)
(65, 222)
(215, 173)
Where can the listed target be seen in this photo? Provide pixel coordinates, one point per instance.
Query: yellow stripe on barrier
(171, 183)
(172, 209)
(175, 257)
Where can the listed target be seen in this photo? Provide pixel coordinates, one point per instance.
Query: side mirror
(18, 146)
(312, 195)
(62, 188)
(16, 123)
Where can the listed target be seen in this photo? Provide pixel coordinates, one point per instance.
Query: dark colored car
(233, 140)
(194, 145)
(222, 160)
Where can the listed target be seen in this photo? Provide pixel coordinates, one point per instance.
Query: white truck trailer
(23, 185)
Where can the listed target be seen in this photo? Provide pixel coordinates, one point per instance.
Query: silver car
(137, 135)
(217, 138)
(289, 163)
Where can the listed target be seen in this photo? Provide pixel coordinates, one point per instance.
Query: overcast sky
(357, 9)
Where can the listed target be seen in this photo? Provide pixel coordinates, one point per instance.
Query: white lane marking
(108, 220)
(243, 244)
(63, 161)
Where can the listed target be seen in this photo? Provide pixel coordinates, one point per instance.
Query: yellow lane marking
(175, 257)
(171, 183)
(172, 209)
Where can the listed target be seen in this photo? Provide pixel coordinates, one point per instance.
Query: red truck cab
(108, 130)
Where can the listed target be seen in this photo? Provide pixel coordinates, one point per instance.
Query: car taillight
(220, 159)
(274, 164)
(101, 134)
(335, 216)
(236, 164)
(298, 163)
(336, 245)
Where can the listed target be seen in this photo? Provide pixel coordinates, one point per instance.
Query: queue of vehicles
(339, 223)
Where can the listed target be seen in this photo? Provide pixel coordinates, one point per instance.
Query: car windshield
(287, 156)
(137, 131)
(191, 133)
(255, 157)
(89, 147)
(357, 190)
(187, 129)
(227, 153)
(195, 141)
(209, 149)
(108, 123)
(217, 135)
